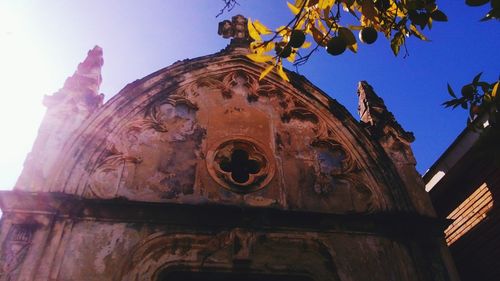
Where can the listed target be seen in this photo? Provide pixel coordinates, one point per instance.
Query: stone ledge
(67, 206)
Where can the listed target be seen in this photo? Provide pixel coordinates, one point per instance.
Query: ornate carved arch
(251, 251)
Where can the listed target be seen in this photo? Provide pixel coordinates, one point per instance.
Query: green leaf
(416, 33)
(396, 42)
(438, 15)
(484, 86)
(266, 71)
(347, 35)
(476, 2)
(476, 79)
(453, 102)
(450, 91)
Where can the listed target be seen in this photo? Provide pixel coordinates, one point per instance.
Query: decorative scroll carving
(106, 178)
(138, 157)
(329, 170)
(275, 253)
(241, 165)
(214, 83)
(332, 161)
(241, 110)
(254, 88)
(14, 249)
(239, 241)
(159, 114)
(333, 158)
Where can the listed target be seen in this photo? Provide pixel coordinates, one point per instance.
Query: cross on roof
(237, 29)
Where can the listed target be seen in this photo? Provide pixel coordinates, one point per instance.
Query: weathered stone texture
(201, 167)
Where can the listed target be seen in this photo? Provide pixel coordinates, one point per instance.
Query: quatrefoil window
(241, 166)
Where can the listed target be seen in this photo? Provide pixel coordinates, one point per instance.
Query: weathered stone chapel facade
(200, 171)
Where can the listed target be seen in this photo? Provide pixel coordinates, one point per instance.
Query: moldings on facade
(202, 167)
(14, 249)
(299, 255)
(175, 138)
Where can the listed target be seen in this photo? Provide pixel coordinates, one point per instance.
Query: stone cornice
(65, 206)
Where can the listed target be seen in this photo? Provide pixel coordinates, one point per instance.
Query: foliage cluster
(327, 22)
(479, 97)
(331, 24)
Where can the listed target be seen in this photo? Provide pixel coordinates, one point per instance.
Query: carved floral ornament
(239, 163)
(292, 254)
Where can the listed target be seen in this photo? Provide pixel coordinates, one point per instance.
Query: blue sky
(42, 42)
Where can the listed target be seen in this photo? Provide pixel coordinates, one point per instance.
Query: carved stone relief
(326, 172)
(153, 156)
(14, 249)
(258, 251)
(247, 131)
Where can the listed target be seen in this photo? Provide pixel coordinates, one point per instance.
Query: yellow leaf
(418, 34)
(266, 71)
(394, 8)
(299, 3)
(282, 30)
(321, 27)
(300, 24)
(494, 92)
(282, 74)
(292, 8)
(261, 29)
(318, 36)
(253, 32)
(259, 57)
(355, 27)
(257, 47)
(306, 45)
(269, 47)
(321, 4)
(291, 58)
(353, 47)
(325, 4)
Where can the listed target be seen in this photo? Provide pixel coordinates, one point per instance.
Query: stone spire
(375, 115)
(82, 88)
(67, 109)
(384, 128)
(237, 29)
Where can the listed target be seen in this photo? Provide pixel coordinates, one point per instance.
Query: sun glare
(26, 77)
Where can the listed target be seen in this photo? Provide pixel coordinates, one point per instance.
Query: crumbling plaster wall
(91, 250)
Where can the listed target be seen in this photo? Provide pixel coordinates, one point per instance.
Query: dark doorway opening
(226, 276)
